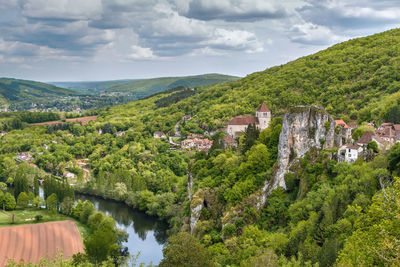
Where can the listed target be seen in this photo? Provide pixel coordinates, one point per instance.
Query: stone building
(239, 124)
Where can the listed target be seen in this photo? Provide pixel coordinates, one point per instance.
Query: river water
(147, 235)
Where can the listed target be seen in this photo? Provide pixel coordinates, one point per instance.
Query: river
(147, 235)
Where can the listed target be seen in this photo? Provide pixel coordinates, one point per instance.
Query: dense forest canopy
(331, 212)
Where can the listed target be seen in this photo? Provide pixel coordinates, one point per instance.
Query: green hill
(152, 86)
(17, 91)
(357, 80)
(142, 88)
(92, 87)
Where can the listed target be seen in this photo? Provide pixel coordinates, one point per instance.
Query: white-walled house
(68, 174)
(239, 124)
(158, 134)
(349, 153)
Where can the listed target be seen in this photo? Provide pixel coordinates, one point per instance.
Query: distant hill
(92, 87)
(145, 87)
(16, 91)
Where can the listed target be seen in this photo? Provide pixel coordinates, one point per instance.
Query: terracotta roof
(385, 124)
(159, 133)
(396, 127)
(378, 139)
(263, 108)
(228, 139)
(386, 132)
(366, 138)
(244, 120)
(341, 123)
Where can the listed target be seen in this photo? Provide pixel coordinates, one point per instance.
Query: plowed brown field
(35, 241)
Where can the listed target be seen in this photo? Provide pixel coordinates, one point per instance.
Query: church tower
(263, 115)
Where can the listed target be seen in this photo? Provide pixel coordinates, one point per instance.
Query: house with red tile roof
(239, 124)
(341, 123)
(369, 137)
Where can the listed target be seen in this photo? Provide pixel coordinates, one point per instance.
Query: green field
(27, 216)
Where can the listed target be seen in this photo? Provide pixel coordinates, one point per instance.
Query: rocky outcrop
(189, 178)
(303, 127)
(196, 206)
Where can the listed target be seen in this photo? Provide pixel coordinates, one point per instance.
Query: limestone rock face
(303, 127)
(196, 206)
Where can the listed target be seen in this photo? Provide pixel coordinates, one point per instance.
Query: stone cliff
(303, 127)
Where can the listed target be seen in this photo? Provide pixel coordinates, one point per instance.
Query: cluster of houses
(199, 144)
(24, 157)
(384, 136)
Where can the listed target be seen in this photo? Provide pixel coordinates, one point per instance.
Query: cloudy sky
(69, 40)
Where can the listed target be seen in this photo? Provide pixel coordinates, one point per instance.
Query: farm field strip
(35, 241)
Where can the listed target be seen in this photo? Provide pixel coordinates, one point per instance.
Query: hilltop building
(239, 124)
(158, 134)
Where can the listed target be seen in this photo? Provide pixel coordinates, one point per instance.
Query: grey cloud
(235, 10)
(355, 14)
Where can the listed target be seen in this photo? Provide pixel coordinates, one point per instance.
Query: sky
(88, 40)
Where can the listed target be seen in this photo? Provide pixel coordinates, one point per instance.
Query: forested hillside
(331, 213)
(16, 91)
(355, 80)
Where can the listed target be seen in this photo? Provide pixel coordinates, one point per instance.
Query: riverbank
(147, 234)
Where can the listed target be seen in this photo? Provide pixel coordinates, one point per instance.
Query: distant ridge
(142, 88)
(17, 90)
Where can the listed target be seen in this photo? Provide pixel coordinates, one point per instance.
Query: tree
(23, 200)
(21, 183)
(394, 158)
(52, 202)
(393, 115)
(9, 202)
(101, 244)
(37, 201)
(3, 187)
(87, 210)
(373, 146)
(2, 200)
(185, 250)
(250, 137)
(36, 186)
(67, 205)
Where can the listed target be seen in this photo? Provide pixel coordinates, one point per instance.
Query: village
(376, 138)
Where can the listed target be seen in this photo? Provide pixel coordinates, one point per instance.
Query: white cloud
(312, 34)
(139, 52)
